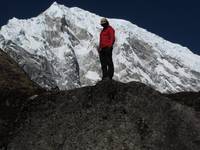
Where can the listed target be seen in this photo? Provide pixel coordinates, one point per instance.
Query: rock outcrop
(110, 115)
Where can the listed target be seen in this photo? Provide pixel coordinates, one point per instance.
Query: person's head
(104, 22)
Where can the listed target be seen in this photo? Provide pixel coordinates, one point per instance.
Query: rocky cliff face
(61, 52)
(109, 115)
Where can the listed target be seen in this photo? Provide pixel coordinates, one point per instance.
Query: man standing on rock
(107, 39)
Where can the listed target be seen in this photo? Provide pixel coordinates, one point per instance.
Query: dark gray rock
(191, 99)
(109, 115)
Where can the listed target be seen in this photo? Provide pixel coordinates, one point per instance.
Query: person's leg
(103, 61)
(110, 62)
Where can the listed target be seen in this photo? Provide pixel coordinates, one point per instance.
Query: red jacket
(107, 37)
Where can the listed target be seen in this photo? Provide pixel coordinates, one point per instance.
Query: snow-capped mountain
(59, 51)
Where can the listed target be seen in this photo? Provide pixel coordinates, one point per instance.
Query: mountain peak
(55, 3)
(56, 10)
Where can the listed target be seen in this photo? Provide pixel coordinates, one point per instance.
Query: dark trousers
(106, 62)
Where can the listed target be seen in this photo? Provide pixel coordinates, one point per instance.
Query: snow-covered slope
(57, 53)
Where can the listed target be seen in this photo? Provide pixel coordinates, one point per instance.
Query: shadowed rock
(191, 99)
(15, 88)
(110, 115)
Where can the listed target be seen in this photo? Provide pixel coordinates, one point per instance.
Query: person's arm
(112, 37)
